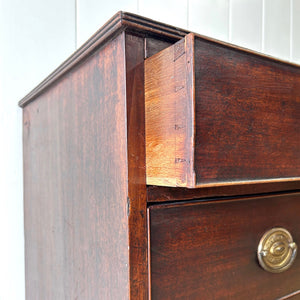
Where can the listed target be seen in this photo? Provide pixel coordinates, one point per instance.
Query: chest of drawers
(160, 164)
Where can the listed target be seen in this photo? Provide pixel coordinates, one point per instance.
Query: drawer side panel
(169, 105)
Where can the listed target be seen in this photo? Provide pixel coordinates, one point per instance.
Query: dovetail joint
(179, 160)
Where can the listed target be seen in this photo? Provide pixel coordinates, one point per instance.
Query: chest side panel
(75, 164)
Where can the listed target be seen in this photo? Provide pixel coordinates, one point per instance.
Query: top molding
(119, 22)
(122, 21)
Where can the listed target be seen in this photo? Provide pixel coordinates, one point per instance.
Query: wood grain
(167, 194)
(207, 250)
(248, 116)
(85, 181)
(169, 117)
(85, 193)
(137, 196)
(218, 115)
(119, 22)
(154, 45)
(75, 192)
(294, 296)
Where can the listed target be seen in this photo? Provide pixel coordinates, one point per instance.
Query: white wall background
(37, 35)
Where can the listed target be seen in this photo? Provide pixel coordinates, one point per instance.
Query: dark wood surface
(119, 22)
(218, 115)
(137, 195)
(292, 296)
(247, 116)
(154, 45)
(85, 181)
(208, 250)
(75, 172)
(166, 194)
(84, 167)
(85, 193)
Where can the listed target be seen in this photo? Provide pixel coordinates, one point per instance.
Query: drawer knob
(276, 250)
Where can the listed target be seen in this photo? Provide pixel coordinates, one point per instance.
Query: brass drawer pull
(276, 250)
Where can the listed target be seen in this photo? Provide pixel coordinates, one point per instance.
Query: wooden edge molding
(167, 194)
(247, 50)
(291, 295)
(193, 202)
(119, 22)
(191, 93)
(243, 182)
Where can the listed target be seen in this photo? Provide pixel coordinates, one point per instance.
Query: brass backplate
(276, 250)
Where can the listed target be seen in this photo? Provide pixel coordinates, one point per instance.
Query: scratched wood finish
(208, 250)
(218, 115)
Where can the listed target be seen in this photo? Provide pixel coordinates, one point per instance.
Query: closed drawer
(219, 115)
(208, 250)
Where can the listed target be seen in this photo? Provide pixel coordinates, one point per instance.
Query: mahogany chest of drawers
(161, 164)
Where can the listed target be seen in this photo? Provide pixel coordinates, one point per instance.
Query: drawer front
(218, 115)
(208, 250)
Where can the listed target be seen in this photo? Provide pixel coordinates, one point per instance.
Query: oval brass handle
(276, 251)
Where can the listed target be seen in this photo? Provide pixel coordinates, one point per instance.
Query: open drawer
(218, 115)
